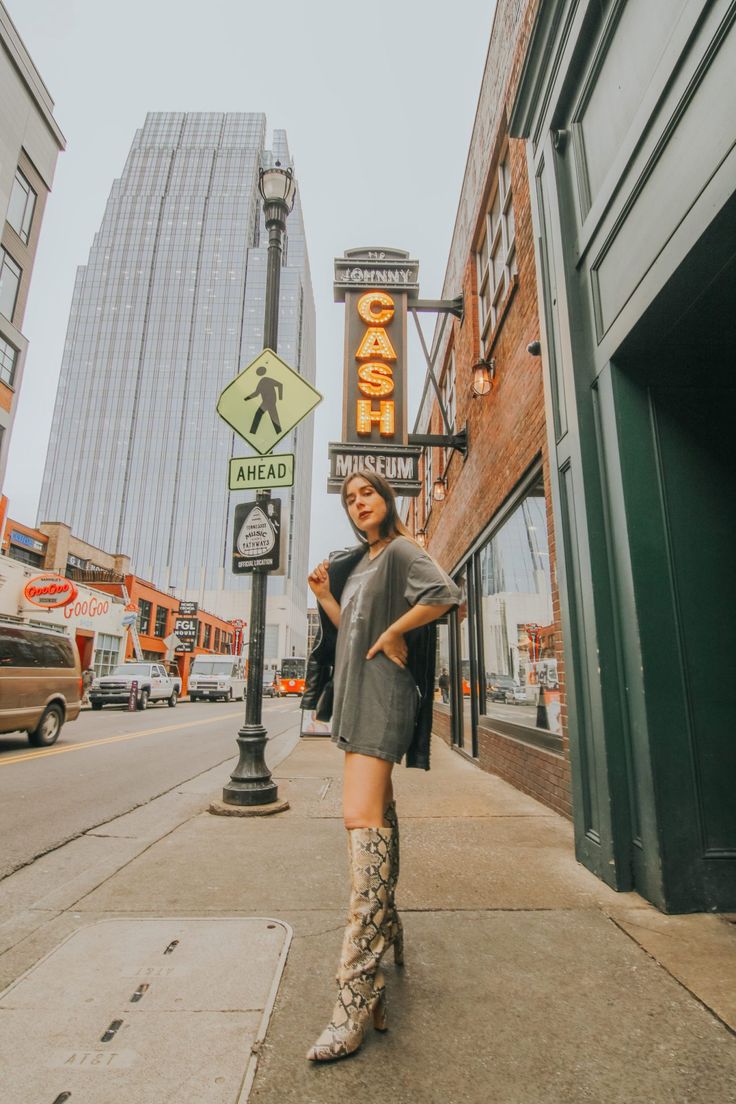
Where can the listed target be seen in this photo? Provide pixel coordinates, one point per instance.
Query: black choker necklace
(372, 544)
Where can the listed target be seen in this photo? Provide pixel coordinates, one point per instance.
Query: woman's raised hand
(319, 581)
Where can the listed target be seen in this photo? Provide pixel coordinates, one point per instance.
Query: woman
(377, 604)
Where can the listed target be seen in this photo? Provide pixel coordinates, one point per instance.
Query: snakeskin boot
(360, 988)
(394, 928)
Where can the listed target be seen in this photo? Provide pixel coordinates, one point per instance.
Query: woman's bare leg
(367, 791)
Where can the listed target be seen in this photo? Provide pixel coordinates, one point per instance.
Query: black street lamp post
(251, 783)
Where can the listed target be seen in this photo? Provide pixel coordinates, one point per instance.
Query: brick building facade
(493, 529)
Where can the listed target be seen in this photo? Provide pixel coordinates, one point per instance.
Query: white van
(216, 677)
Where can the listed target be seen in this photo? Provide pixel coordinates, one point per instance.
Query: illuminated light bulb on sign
(375, 343)
(367, 416)
(376, 379)
(369, 301)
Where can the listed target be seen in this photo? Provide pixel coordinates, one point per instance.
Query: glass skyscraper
(168, 309)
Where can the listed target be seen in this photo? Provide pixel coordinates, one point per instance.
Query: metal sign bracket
(445, 307)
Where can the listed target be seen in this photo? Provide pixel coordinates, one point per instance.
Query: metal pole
(251, 782)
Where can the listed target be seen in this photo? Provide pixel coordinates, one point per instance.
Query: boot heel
(380, 1021)
(399, 948)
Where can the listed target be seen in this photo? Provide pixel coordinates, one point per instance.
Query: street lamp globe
(277, 185)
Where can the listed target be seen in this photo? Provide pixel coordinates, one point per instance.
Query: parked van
(212, 676)
(40, 681)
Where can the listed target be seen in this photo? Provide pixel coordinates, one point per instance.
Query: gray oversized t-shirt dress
(376, 701)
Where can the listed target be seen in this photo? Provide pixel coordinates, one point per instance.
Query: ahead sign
(250, 473)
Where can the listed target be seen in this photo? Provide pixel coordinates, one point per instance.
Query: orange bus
(291, 676)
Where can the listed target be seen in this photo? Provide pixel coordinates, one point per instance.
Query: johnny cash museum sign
(375, 285)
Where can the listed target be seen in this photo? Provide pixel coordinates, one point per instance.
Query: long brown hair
(392, 525)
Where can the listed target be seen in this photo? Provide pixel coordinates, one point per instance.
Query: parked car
(213, 676)
(516, 695)
(40, 681)
(153, 685)
(270, 689)
(499, 687)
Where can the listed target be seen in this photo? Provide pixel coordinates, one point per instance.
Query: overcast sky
(377, 100)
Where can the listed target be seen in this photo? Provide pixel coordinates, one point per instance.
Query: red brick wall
(539, 773)
(507, 435)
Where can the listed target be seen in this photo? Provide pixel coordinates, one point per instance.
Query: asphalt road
(109, 762)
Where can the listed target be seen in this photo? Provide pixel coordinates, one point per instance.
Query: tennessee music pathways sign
(375, 285)
(257, 533)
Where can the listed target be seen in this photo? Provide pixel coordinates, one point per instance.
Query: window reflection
(517, 623)
(442, 664)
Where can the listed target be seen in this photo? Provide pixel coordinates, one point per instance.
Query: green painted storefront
(628, 113)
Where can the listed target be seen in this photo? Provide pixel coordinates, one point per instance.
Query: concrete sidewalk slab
(700, 951)
(453, 787)
(448, 863)
(58, 879)
(528, 980)
(222, 865)
(503, 1008)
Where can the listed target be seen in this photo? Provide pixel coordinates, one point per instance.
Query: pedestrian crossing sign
(266, 401)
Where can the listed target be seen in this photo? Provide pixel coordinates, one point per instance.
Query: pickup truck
(154, 684)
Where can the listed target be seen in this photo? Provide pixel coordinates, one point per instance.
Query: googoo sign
(50, 591)
(87, 607)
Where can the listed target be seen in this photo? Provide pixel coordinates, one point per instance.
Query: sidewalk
(527, 980)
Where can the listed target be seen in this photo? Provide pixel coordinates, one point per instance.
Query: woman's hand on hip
(393, 645)
(319, 581)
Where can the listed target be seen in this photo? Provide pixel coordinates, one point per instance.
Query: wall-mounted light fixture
(438, 489)
(484, 373)
(421, 537)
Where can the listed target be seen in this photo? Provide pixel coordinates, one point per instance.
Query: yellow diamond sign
(266, 401)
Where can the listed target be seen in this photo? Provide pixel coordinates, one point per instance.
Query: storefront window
(144, 616)
(160, 625)
(465, 733)
(515, 605)
(25, 555)
(107, 652)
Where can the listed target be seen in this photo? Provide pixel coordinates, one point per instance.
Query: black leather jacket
(422, 648)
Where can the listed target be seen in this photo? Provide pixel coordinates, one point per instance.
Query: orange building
(158, 613)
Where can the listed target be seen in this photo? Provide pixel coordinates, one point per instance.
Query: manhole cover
(146, 1011)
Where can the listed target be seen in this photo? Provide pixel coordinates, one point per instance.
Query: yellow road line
(41, 753)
